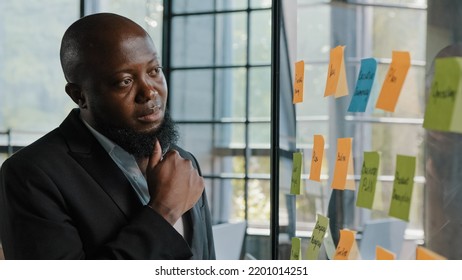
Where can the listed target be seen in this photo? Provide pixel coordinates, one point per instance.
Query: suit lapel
(87, 151)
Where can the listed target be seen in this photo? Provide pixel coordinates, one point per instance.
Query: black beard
(141, 144)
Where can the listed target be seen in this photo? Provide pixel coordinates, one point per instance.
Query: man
(109, 182)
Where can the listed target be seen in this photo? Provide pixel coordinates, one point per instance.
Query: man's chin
(140, 142)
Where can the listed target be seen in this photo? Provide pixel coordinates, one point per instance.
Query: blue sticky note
(363, 85)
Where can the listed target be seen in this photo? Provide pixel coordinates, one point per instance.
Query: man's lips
(149, 115)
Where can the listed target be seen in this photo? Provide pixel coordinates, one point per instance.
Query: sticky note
(378, 198)
(383, 254)
(444, 105)
(394, 80)
(346, 245)
(296, 173)
(343, 165)
(363, 85)
(423, 253)
(299, 81)
(316, 158)
(367, 183)
(402, 187)
(336, 83)
(329, 244)
(317, 238)
(296, 249)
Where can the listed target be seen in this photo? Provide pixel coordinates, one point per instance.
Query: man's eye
(155, 71)
(124, 83)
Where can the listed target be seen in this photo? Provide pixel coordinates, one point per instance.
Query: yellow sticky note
(423, 253)
(346, 245)
(394, 80)
(299, 81)
(317, 237)
(336, 83)
(383, 254)
(316, 159)
(343, 165)
(296, 174)
(296, 250)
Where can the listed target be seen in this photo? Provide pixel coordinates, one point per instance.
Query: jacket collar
(88, 152)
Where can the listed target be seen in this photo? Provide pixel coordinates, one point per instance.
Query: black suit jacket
(63, 197)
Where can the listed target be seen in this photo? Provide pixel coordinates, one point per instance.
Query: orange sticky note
(299, 81)
(336, 83)
(343, 165)
(423, 253)
(383, 254)
(391, 87)
(316, 158)
(347, 248)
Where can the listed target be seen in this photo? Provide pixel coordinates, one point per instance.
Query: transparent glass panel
(260, 37)
(193, 6)
(230, 91)
(31, 80)
(191, 95)
(237, 209)
(260, 92)
(409, 3)
(259, 203)
(192, 38)
(254, 4)
(229, 135)
(388, 32)
(315, 21)
(226, 5)
(231, 39)
(147, 13)
(307, 129)
(197, 139)
(259, 134)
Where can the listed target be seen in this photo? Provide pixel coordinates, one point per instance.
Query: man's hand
(174, 184)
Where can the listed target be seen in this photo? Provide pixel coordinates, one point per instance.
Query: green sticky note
(444, 101)
(367, 183)
(317, 237)
(402, 187)
(296, 250)
(296, 174)
(329, 244)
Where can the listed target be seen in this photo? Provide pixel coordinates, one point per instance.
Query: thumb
(156, 156)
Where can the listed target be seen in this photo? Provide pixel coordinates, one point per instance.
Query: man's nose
(146, 91)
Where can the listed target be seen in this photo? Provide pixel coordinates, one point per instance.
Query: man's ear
(75, 93)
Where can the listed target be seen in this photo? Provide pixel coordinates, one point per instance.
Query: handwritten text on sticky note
(444, 106)
(342, 163)
(317, 237)
(296, 173)
(368, 180)
(345, 244)
(394, 80)
(296, 250)
(363, 85)
(299, 81)
(316, 158)
(402, 187)
(336, 83)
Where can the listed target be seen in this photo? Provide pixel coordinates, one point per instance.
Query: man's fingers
(156, 156)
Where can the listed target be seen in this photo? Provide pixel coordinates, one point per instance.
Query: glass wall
(218, 57)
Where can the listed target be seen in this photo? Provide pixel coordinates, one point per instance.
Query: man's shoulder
(45, 146)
